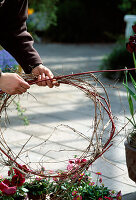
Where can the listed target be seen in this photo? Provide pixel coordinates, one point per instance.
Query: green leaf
(130, 121)
(131, 108)
(134, 59)
(130, 91)
(24, 189)
(133, 81)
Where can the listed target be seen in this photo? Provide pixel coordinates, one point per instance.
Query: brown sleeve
(14, 36)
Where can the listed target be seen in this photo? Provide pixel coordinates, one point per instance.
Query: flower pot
(131, 161)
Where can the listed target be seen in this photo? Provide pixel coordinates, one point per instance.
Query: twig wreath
(100, 139)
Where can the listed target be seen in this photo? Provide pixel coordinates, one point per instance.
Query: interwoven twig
(87, 83)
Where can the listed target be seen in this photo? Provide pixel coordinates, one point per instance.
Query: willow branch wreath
(100, 139)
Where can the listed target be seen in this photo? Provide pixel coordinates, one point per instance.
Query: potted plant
(37, 188)
(77, 186)
(130, 144)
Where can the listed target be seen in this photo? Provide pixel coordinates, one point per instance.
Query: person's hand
(44, 74)
(12, 83)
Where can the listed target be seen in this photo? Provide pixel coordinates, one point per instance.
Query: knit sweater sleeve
(14, 36)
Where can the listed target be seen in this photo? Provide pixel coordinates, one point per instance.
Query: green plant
(12, 188)
(77, 186)
(128, 6)
(77, 17)
(117, 59)
(20, 112)
(85, 188)
(43, 15)
(37, 188)
(131, 95)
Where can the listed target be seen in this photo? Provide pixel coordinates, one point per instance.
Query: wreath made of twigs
(99, 139)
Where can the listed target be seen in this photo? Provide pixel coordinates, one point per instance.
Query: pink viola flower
(70, 167)
(83, 160)
(6, 181)
(3, 186)
(74, 193)
(38, 178)
(52, 172)
(79, 197)
(9, 190)
(17, 180)
(100, 198)
(91, 183)
(98, 173)
(109, 198)
(82, 174)
(55, 179)
(71, 161)
(77, 161)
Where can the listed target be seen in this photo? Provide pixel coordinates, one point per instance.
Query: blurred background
(79, 21)
(83, 22)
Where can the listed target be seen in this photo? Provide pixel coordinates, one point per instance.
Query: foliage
(20, 112)
(42, 17)
(45, 6)
(85, 21)
(37, 187)
(131, 47)
(12, 188)
(83, 188)
(128, 7)
(78, 186)
(117, 59)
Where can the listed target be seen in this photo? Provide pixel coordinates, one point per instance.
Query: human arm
(14, 36)
(19, 43)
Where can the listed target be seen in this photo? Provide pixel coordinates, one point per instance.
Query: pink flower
(82, 174)
(51, 172)
(109, 198)
(6, 181)
(98, 173)
(3, 186)
(38, 178)
(17, 180)
(10, 172)
(71, 161)
(9, 190)
(55, 179)
(100, 198)
(78, 197)
(70, 167)
(83, 160)
(77, 161)
(100, 180)
(74, 193)
(91, 183)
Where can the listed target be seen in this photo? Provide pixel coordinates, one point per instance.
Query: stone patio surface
(46, 109)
